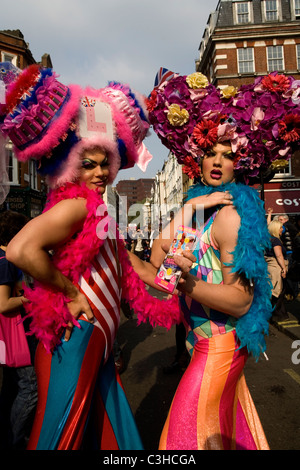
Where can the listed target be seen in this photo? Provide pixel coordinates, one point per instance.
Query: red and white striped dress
(103, 291)
(78, 382)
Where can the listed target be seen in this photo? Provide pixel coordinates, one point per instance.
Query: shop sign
(283, 201)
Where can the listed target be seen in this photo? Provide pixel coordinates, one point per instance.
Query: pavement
(291, 326)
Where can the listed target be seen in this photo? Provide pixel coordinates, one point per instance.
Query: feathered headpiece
(261, 120)
(53, 123)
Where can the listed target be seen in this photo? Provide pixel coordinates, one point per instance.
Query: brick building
(27, 189)
(246, 39)
(136, 191)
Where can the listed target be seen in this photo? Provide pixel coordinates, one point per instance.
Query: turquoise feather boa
(248, 258)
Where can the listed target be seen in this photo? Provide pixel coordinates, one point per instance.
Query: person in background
(277, 267)
(139, 245)
(294, 269)
(18, 397)
(288, 236)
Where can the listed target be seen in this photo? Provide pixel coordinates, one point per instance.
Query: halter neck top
(200, 320)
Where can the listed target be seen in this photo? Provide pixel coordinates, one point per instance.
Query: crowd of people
(138, 241)
(82, 270)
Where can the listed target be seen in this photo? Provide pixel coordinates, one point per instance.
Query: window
(271, 10)
(245, 60)
(297, 9)
(7, 57)
(33, 179)
(275, 58)
(298, 56)
(12, 169)
(242, 12)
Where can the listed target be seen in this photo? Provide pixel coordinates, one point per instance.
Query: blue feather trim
(248, 259)
(122, 152)
(50, 165)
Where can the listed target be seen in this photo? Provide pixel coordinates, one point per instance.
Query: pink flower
(227, 129)
(294, 92)
(256, 118)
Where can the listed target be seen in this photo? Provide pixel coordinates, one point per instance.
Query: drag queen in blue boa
(225, 139)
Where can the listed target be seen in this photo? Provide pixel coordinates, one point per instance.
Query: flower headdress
(261, 120)
(53, 123)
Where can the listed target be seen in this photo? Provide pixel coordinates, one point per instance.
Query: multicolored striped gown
(81, 400)
(212, 408)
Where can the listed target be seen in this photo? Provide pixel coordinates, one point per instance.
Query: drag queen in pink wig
(80, 138)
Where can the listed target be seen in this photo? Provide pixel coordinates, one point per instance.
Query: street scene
(149, 226)
(273, 383)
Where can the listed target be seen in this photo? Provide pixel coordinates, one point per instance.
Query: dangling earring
(201, 174)
(202, 181)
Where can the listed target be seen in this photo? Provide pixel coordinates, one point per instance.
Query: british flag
(162, 76)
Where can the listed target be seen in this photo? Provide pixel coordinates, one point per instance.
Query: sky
(92, 42)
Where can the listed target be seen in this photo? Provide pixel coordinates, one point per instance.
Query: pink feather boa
(48, 309)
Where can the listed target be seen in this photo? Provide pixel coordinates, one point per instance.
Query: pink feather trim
(48, 309)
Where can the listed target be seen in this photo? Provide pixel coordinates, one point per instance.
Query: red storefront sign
(283, 201)
(282, 196)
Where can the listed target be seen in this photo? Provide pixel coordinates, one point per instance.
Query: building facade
(136, 191)
(169, 191)
(247, 39)
(27, 189)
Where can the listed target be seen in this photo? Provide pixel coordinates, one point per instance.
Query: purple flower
(257, 127)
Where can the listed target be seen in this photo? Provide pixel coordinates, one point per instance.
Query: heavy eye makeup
(88, 164)
(211, 153)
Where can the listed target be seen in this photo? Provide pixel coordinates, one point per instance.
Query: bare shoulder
(226, 225)
(228, 213)
(69, 209)
(56, 224)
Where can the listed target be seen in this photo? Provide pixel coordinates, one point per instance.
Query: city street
(274, 383)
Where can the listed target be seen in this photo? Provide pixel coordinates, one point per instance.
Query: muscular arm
(29, 249)
(145, 270)
(234, 296)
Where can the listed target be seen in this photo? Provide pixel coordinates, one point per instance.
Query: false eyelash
(88, 164)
